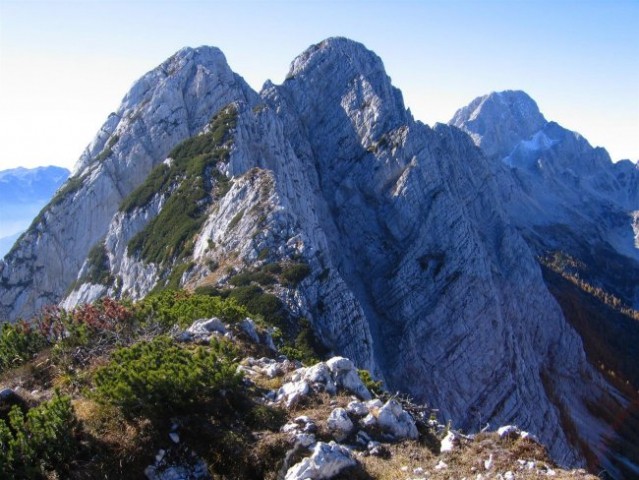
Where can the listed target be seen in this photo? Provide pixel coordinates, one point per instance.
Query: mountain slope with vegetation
(155, 388)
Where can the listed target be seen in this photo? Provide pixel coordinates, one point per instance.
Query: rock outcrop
(416, 271)
(167, 105)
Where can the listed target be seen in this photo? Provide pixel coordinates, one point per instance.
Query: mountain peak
(338, 51)
(338, 77)
(498, 121)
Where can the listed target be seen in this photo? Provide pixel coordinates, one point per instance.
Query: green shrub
(293, 274)
(18, 343)
(263, 278)
(155, 183)
(236, 219)
(306, 347)
(179, 307)
(98, 271)
(293, 353)
(274, 268)
(264, 417)
(259, 303)
(160, 377)
(186, 182)
(208, 290)
(40, 441)
(245, 278)
(241, 279)
(373, 386)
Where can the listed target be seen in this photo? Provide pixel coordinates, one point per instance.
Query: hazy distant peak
(500, 120)
(29, 185)
(49, 174)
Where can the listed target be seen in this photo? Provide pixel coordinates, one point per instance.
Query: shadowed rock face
(571, 201)
(417, 272)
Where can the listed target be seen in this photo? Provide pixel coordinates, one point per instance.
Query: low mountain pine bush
(161, 377)
(41, 441)
(18, 343)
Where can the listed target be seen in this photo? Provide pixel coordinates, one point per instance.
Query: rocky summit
(449, 261)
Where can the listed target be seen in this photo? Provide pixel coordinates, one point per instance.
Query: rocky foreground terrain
(272, 417)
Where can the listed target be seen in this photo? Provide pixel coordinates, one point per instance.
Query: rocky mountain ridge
(416, 269)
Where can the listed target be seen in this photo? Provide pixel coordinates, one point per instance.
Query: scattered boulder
(300, 424)
(302, 431)
(326, 461)
(292, 392)
(392, 419)
(346, 376)
(339, 424)
(201, 330)
(320, 377)
(358, 409)
(441, 465)
(450, 442)
(513, 432)
(248, 326)
(177, 464)
(338, 372)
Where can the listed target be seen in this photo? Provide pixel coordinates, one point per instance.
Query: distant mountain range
(23, 193)
(488, 266)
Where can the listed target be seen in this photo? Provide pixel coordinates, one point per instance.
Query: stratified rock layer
(416, 271)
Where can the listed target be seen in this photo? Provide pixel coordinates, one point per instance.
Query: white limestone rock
(320, 376)
(326, 461)
(202, 330)
(291, 393)
(450, 442)
(323, 377)
(358, 409)
(248, 326)
(173, 465)
(346, 377)
(394, 420)
(339, 424)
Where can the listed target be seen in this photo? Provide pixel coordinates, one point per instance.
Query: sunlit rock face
(417, 270)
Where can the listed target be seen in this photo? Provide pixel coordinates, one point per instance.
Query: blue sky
(64, 65)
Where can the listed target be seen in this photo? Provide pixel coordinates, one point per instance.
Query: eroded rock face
(416, 272)
(167, 105)
(577, 211)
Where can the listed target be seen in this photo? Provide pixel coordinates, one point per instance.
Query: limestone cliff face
(572, 205)
(562, 193)
(417, 272)
(167, 105)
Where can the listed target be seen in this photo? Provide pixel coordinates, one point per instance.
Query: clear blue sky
(64, 65)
